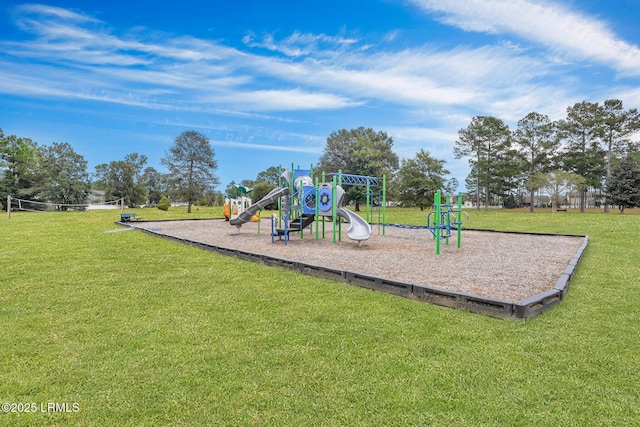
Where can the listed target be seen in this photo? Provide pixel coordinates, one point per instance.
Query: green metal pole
(437, 221)
(323, 223)
(368, 211)
(384, 202)
(292, 178)
(335, 203)
(291, 198)
(301, 206)
(448, 218)
(334, 208)
(324, 179)
(279, 198)
(459, 220)
(317, 206)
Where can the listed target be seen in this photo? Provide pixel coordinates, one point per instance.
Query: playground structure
(311, 201)
(439, 221)
(442, 221)
(303, 202)
(235, 205)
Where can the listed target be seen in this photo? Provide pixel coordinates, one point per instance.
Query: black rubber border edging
(523, 309)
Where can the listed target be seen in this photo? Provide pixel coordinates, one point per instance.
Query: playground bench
(127, 217)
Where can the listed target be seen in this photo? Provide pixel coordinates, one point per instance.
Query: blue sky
(268, 81)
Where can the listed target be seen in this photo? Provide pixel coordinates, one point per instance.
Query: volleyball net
(16, 204)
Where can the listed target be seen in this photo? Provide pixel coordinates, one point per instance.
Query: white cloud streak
(558, 28)
(267, 147)
(163, 70)
(77, 56)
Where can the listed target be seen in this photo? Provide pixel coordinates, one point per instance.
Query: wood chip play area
(508, 267)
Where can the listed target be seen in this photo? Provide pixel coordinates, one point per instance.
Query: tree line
(59, 175)
(590, 149)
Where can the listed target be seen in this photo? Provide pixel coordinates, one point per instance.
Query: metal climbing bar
(359, 180)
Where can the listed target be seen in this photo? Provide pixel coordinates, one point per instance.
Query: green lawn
(140, 331)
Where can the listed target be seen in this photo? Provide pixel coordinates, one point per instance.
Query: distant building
(592, 199)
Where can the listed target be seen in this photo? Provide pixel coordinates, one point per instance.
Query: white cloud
(268, 147)
(553, 25)
(74, 55)
(52, 11)
(89, 63)
(299, 43)
(285, 100)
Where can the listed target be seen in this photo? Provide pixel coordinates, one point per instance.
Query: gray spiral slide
(245, 216)
(359, 229)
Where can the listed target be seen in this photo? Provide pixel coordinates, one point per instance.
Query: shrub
(510, 202)
(164, 204)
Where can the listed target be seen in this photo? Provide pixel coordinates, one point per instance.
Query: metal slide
(359, 229)
(245, 216)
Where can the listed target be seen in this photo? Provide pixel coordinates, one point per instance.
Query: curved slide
(245, 216)
(359, 229)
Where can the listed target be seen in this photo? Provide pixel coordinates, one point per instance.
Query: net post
(8, 206)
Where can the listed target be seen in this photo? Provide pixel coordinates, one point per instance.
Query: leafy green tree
(192, 165)
(581, 131)
(360, 151)
(62, 175)
(556, 183)
(623, 190)
(619, 124)
(231, 188)
(247, 183)
(155, 185)
(270, 176)
(266, 181)
(505, 171)
(419, 178)
(18, 164)
(537, 143)
(487, 144)
(122, 179)
(211, 198)
(260, 190)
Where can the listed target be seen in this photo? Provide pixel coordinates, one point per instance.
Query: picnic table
(127, 217)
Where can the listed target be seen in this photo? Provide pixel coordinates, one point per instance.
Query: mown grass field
(133, 330)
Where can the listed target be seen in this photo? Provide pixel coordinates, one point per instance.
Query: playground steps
(300, 223)
(297, 225)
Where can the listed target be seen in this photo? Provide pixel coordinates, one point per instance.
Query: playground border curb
(523, 309)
